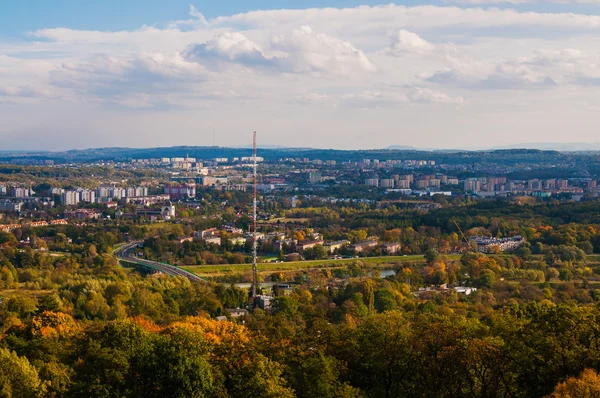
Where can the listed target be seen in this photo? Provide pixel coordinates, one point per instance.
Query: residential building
(333, 246)
(280, 245)
(215, 240)
(10, 207)
(364, 245)
(491, 245)
(237, 312)
(391, 247)
(372, 182)
(403, 184)
(87, 196)
(183, 191)
(387, 183)
(263, 302)
(20, 192)
(314, 177)
(69, 198)
(562, 184)
(308, 244)
(207, 233)
(84, 214)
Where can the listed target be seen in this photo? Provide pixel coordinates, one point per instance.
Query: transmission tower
(254, 274)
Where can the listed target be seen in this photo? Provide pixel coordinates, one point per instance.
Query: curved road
(123, 255)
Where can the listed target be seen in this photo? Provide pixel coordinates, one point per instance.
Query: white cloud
(405, 42)
(307, 51)
(198, 15)
(229, 47)
(313, 98)
(426, 95)
(298, 51)
(394, 61)
(542, 69)
(517, 2)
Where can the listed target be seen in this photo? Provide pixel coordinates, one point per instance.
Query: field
(214, 270)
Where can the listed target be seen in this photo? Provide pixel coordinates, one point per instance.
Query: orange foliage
(587, 385)
(53, 324)
(146, 324)
(218, 333)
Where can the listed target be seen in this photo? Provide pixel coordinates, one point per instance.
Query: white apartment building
(87, 196)
(69, 198)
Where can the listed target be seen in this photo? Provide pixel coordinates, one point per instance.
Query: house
(391, 247)
(364, 245)
(465, 290)
(238, 240)
(237, 312)
(308, 244)
(215, 240)
(279, 245)
(206, 233)
(84, 214)
(263, 302)
(338, 244)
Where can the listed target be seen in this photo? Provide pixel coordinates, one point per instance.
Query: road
(123, 254)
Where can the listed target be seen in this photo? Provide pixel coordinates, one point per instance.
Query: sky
(324, 74)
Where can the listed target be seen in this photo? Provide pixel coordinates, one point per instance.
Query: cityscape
(332, 199)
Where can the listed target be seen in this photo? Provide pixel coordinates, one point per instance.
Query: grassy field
(302, 265)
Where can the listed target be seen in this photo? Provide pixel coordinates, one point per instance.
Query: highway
(123, 254)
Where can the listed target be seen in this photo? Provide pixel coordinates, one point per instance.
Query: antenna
(254, 276)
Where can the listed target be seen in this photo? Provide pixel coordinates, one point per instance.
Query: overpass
(123, 254)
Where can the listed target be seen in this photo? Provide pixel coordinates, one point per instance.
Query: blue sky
(19, 17)
(359, 74)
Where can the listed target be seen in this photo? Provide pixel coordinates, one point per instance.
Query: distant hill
(403, 148)
(556, 146)
(508, 157)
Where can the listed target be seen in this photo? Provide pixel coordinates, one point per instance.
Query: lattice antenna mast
(254, 243)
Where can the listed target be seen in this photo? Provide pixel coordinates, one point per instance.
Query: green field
(301, 265)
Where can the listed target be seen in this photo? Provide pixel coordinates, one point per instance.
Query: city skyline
(443, 75)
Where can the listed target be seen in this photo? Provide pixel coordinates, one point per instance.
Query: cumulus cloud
(391, 59)
(395, 97)
(405, 42)
(426, 95)
(138, 81)
(306, 51)
(364, 21)
(543, 69)
(229, 47)
(298, 51)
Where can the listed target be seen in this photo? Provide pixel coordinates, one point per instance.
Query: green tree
(18, 378)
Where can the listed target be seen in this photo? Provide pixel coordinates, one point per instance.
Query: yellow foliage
(587, 385)
(217, 333)
(53, 324)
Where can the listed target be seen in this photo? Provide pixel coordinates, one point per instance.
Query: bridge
(123, 254)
